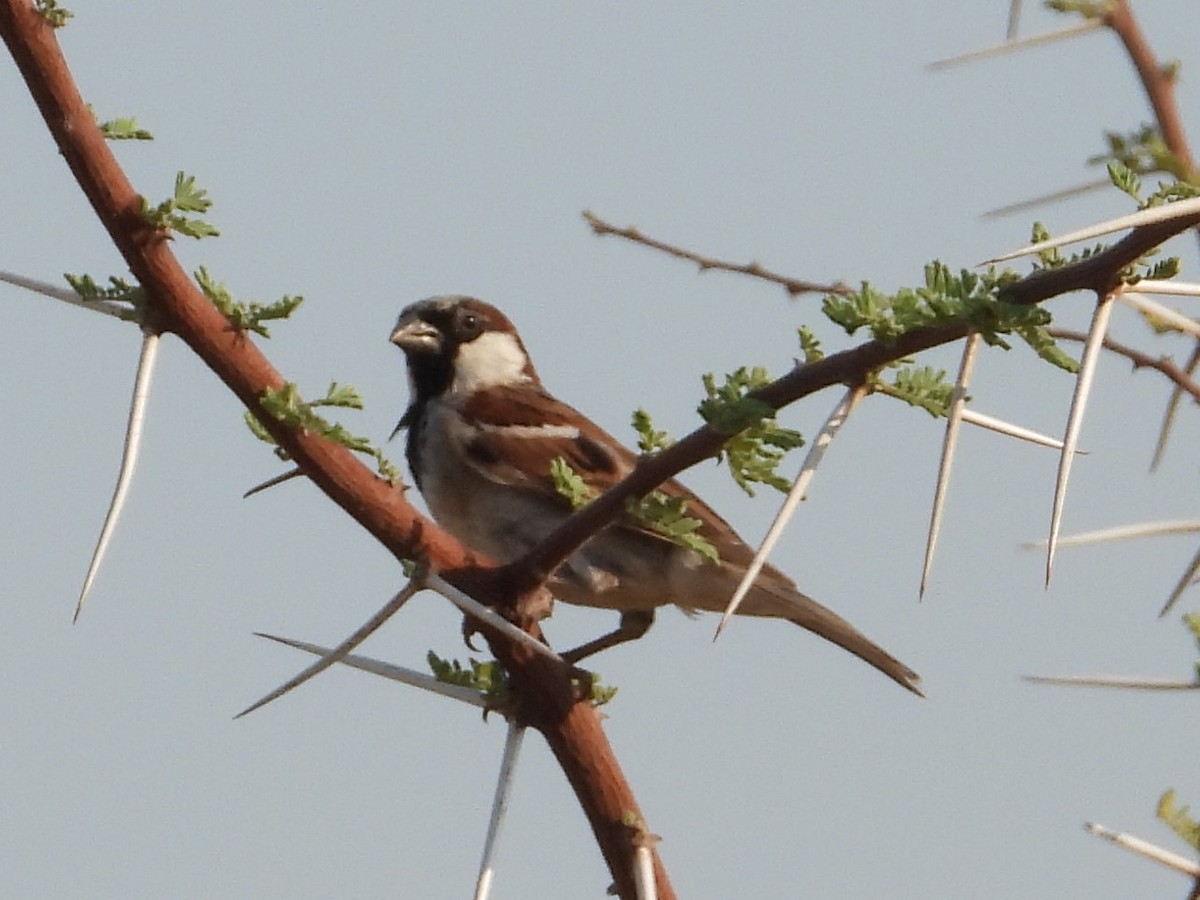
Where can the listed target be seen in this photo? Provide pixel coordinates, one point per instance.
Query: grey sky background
(368, 157)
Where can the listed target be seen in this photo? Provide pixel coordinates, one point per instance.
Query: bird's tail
(769, 597)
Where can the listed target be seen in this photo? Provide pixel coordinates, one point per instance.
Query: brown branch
(794, 286)
(1158, 82)
(1140, 360)
(547, 702)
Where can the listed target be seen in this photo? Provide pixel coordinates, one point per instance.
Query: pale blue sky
(369, 157)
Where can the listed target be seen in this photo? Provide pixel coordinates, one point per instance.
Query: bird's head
(459, 345)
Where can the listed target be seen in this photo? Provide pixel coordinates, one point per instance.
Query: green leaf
(569, 483)
(650, 440)
(809, 345)
(124, 129)
(53, 13)
(668, 516)
(1179, 820)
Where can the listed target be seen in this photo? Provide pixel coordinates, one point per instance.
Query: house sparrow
(482, 433)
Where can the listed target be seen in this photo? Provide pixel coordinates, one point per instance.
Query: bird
(482, 434)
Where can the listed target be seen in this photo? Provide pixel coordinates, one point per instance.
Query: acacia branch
(174, 303)
(794, 286)
(1140, 360)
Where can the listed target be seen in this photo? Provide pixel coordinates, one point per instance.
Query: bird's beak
(413, 335)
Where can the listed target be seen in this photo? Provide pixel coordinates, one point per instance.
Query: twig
(1053, 197)
(129, 458)
(1139, 359)
(793, 286)
(1114, 681)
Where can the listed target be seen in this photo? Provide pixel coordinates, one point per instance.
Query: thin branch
(958, 403)
(793, 286)
(1157, 80)
(1140, 360)
(1114, 681)
(1083, 388)
(129, 458)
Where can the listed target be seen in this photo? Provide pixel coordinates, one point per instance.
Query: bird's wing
(518, 433)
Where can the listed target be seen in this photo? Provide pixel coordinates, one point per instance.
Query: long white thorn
(1114, 681)
(1083, 387)
(1174, 288)
(508, 764)
(1185, 580)
(643, 873)
(477, 609)
(1154, 214)
(991, 423)
(129, 458)
(1045, 199)
(1020, 44)
(66, 295)
(954, 416)
(816, 452)
(1168, 422)
(411, 677)
(1146, 849)
(1152, 310)
(1125, 532)
(364, 631)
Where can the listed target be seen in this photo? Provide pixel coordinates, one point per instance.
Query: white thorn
(991, 423)
(840, 413)
(1124, 532)
(364, 631)
(954, 416)
(1083, 387)
(1019, 44)
(129, 458)
(1146, 849)
(66, 295)
(1155, 310)
(477, 609)
(411, 677)
(1185, 580)
(1154, 214)
(643, 873)
(508, 764)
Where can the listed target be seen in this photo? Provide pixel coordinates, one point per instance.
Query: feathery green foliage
(124, 129)
(175, 213)
(757, 443)
(244, 316)
(285, 405)
(921, 386)
(1178, 819)
(650, 440)
(53, 13)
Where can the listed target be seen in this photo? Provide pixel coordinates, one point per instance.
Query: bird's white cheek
(493, 358)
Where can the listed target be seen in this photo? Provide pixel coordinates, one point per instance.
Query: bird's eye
(469, 325)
